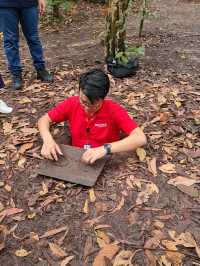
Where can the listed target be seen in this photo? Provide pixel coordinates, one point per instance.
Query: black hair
(94, 84)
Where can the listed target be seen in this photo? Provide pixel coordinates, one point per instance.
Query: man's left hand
(93, 154)
(42, 6)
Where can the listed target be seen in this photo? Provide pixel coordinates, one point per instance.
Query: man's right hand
(50, 150)
(42, 6)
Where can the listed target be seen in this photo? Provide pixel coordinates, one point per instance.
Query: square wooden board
(70, 168)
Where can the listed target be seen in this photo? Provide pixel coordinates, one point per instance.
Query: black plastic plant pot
(123, 70)
(2, 85)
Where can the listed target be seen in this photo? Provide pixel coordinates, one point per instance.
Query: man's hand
(93, 154)
(42, 6)
(50, 150)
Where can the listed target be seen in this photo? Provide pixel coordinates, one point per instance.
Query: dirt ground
(146, 204)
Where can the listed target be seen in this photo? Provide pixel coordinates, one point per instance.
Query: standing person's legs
(29, 23)
(10, 20)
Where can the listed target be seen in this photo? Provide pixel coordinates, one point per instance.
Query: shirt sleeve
(124, 122)
(62, 111)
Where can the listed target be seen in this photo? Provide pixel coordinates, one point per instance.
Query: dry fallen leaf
(24, 100)
(163, 261)
(25, 147)
(3, 234)
(102, 226)
(168, 168)
(192, 191)
(175, 258)
(54, 231)
(141, 153)
(181, 180)
(57, 250)
(28, 131)
(31, 215)
(153, 135)
(22, 253)
(129, 183)
(44, 190)
(66, 261)
(158, 224)
(189, 144)
(178, 104)
(123, 258)
(102, 238)
(144, 195)
(154, 120)
(2, 245)
(158, 234)
(152, 243)
(62, 238)
(166, 216)
(186, 239)
(164, 117)
(21, 162)
(7, 128)
(152, 166)
(107, 251)
(137, 183)
(8, 188)
(2, 162)
(87, 248)
(92, 195)
(49, 200)
(161, 99)
(169, 150)
(86, 207)
(95, 220)
(170, 245)
(152, 260)
(1, 206)
(34, 237)
(10, 211)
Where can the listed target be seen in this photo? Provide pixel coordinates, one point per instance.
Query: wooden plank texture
(70, 168)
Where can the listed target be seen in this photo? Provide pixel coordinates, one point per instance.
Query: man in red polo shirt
(95, 122)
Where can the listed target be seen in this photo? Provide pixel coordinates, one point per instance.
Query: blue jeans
(28, 18)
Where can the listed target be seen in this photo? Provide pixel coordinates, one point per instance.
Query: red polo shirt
(104, 127)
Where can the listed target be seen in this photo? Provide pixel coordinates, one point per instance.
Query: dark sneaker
(17, 82)
(44, 75)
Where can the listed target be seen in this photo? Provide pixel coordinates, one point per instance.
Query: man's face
(90, 108)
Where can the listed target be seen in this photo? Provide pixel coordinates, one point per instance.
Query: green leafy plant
(54, 8)
(131, 52)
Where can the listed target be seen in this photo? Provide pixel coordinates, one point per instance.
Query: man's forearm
(135, 140)
(44, 127)
(130, 143)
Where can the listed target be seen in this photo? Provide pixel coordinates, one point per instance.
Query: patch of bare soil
(144, 208)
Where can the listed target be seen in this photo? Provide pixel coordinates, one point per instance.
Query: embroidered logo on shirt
(100, 124)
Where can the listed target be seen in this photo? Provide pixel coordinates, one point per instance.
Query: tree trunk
(56, 9)
(144, 7)
(116, 27)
